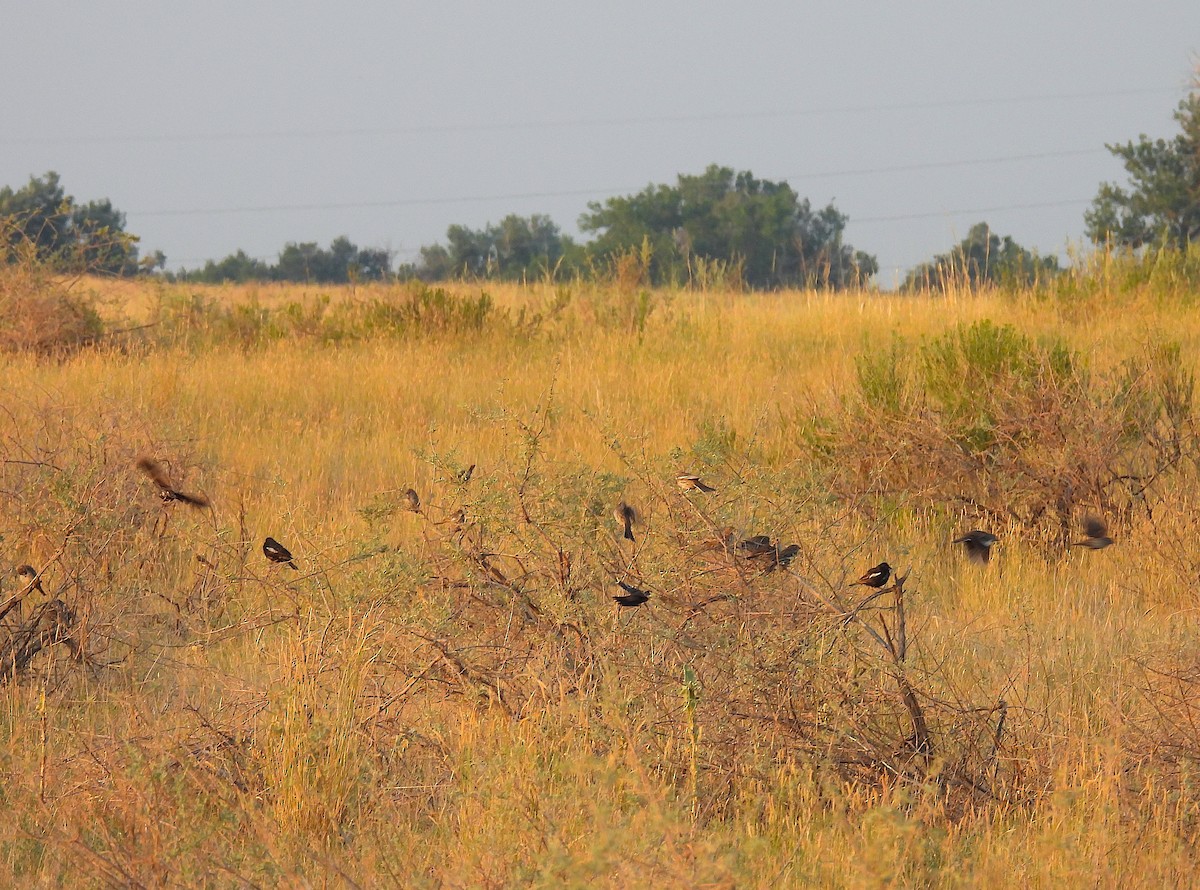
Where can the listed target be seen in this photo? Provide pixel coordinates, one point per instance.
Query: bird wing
(154, 470)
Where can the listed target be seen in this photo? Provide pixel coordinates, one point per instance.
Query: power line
(356, 205)
(575, 193)
(569, 123)
(933, 214)
(939, 165)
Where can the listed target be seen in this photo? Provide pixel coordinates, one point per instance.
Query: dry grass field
(451, 698)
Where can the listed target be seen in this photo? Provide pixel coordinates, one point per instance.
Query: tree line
(721, 224)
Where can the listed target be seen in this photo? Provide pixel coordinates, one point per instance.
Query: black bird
(1096, 533)
(276, 552)
(784, 557)
(978, 544)
(633, 596)
(465, 476)
(30, 578)
(756, 545)
(689, 482)
(627, 516)
(877, 576)
(158, 476)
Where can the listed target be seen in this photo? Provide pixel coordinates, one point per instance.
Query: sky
(220, 126)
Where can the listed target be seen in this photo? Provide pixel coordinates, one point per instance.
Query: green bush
(987, 419)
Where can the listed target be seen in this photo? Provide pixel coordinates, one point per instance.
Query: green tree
(42, 212)
(1163, 199)
(100, 240)
(371, 264)
(434, 263)
(300, 262)
(517, 248)
(764, 227)
(235, 267)
(307, 261)
(982, 257)
(91, 236)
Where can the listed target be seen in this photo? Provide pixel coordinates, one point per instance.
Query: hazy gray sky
(225, 125)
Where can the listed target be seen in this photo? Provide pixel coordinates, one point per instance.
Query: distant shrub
(987, 420)
(1166, 273)
(413, 310)
(419, 309)
(38, 311)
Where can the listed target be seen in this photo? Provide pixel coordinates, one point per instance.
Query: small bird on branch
(276, 552)
(690, 482)
(633, 596)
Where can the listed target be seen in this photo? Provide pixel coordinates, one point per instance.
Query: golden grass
(392, 715)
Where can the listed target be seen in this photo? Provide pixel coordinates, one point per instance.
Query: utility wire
(570, 123)
(520, 196)
(933, 214)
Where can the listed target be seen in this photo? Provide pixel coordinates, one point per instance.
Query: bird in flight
(166, 491)
(978, 545)
(633, 596)
(1095, 534)
(276, 552)
(627, 516)
(876, 577)
(689, 482)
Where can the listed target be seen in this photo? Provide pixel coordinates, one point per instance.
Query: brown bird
(627, 516)
(412, 500)
(30, 578)
(158, 476)
(455, 520)
(978, 545)
(1096, 533)
(723, 541)
(276, 552)
(876, 577)
(465, 476)
(688, 482)
(633, 596)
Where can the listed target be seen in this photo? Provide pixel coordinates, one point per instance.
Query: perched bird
(158, 476)
(276, 552)
(633, 596)
(455, 520)
(412, 500)
(627, 516)
(688, 482)
(784, 557)
(876, 577)
(756, 545)
(465, 476)
(724, 541)
(30, 578)
(1096, 533)
(978, 544)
